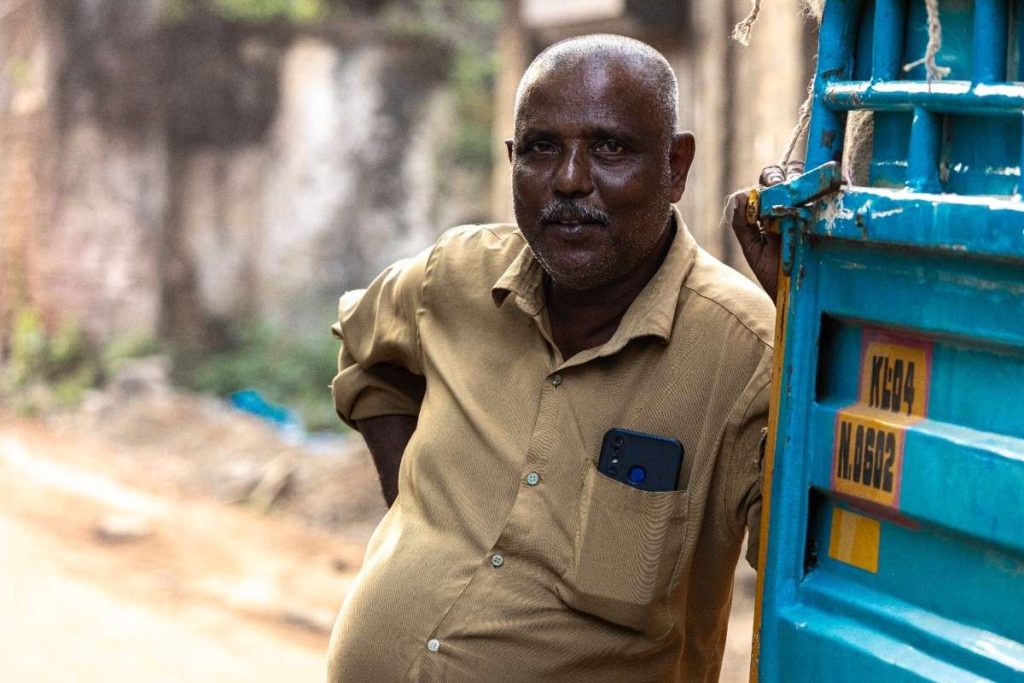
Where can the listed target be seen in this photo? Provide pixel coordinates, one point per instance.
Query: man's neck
(584, 319)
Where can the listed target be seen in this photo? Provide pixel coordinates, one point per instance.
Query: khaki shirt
(507, 556)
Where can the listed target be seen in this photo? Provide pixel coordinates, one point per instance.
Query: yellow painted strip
(781, 310)
(855, 540)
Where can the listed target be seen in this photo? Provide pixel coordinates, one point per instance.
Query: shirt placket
(503, 556)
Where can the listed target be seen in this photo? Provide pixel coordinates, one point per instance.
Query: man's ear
(680, 158)
(509, 147)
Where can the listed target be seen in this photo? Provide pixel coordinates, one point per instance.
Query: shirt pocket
(626, 549)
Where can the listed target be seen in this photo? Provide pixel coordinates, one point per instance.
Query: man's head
(596, 160)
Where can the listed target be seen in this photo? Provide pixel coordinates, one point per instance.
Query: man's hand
(387, 436)
(761, 249)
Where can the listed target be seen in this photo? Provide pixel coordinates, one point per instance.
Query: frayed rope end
(741, 32)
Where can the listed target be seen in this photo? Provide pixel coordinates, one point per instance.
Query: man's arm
(386, 437)
(380, 384)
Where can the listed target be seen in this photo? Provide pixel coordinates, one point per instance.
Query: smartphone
(645, 461)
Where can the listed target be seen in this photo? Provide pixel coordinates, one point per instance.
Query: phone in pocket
(645, 461)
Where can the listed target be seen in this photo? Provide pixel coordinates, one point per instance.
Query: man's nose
(572, 176)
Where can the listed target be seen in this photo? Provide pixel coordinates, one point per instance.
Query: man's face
(594, 169)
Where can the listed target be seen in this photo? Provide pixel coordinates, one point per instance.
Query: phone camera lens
(618, 441)
(613, 469)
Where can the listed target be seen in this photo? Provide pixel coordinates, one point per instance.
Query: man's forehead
(588, 91)
(592, 75)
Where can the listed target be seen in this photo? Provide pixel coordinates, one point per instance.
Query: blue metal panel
(895, 515)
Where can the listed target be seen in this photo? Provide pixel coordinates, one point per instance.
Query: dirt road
(101, 580)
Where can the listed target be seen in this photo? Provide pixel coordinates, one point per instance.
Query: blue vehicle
(893, 528)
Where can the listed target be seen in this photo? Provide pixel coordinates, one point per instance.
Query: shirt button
(556, 380)
(433, 644)
(532, 478)
(497, 560)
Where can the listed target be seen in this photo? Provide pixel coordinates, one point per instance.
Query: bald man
(485, 372)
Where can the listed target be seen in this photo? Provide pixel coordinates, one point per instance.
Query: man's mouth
(573, 228)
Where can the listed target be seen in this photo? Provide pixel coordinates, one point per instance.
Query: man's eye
(540, 147)
(609, 147)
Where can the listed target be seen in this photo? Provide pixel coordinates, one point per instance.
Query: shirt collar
(652, 312)
(525, 278)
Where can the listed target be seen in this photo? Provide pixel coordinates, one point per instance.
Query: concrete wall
(348, 178)
(162, 179)
(23, 135)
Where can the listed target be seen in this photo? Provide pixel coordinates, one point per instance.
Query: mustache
(573, 211)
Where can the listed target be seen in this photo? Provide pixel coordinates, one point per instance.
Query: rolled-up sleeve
(380, 370)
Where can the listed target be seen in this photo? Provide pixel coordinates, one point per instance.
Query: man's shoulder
(484, 249)
(477, 236)
(733, 295)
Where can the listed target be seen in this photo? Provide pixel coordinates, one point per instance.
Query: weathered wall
(346, 179)
(24, 132)
(176, 179)
(84, 165)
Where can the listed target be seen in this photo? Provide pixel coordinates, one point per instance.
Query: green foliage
(28, 345)
(298, 11)
(175, 11)
(120, 349)
(45, 368)
(55, 370)
(471, 26)
(289, 371)
(473, 76)
(261, 10)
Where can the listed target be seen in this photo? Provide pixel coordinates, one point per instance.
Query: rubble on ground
(200, 445)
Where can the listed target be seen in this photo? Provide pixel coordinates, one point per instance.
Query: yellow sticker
(867, 453)
(867, 461)
(895, 373)
(855, 540)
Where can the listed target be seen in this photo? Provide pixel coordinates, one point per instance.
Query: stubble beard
(601, 267)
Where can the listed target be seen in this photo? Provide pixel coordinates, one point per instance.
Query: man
(491, 366)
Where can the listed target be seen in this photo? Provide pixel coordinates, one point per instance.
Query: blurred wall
(174, 178)
(740, 102)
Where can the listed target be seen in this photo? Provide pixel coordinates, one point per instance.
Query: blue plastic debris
(253, 402)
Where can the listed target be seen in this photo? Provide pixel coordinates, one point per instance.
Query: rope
(803, 120)
(933, 70)
(741, 34)
(741, 31)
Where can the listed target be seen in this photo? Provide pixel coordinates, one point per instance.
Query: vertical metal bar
(835, 60)
(923, 155)
(887, 35)
(1018, 49)
(836, 42)
(988, 58)
(1020, 179)
(768, 467)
